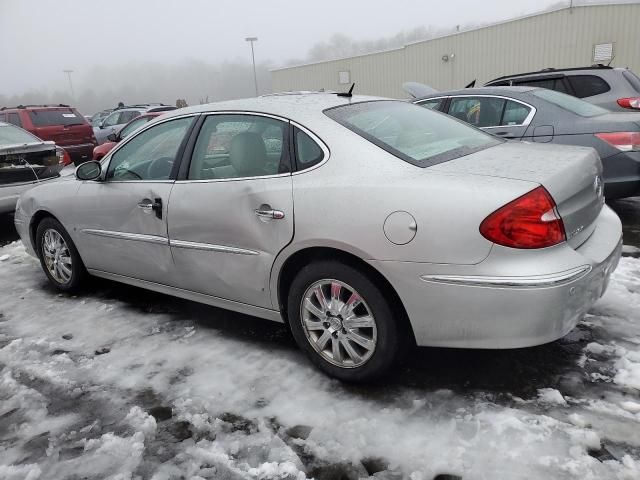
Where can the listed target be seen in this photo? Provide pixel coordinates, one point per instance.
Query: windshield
(10, 135)
(567, 102)
(410, 132)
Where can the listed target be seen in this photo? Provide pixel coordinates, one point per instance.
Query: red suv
(59, 123)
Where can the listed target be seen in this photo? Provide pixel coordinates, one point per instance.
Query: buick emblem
(597, 186)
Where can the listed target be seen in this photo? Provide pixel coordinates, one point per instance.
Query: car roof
(38, 107)
(481, 91)
(295, 106)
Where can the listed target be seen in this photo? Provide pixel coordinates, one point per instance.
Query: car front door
(233, 211)
(122, 219)
(504, 117)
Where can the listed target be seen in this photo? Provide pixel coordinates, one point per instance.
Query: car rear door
(121, 220)
(501, 116)
(232, 211)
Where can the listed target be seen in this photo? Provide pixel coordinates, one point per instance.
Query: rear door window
(587, 85)
(515, 113)
(48, 118)
(478, 111)
(240, 146)
(549, 83)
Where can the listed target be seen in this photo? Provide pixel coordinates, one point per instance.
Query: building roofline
(489, 25)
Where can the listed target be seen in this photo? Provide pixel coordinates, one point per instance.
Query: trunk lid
(572, 175)
(610, 122)
(63, 125)
(23, 163)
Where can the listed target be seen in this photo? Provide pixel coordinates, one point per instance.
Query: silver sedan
(366, 225)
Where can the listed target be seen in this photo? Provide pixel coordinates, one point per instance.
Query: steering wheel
(160, 168)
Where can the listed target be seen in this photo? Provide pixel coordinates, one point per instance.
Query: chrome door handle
(269, 213)
(146, 206)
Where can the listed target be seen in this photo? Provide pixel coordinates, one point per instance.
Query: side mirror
(89, 170)
(112, 137)
(101, 125)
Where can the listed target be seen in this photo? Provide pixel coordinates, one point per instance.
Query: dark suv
(59, 123)
(608, 87)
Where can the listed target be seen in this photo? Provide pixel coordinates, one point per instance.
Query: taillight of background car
(633, 103)
(63, 157)
(624, 141)
(530, 221)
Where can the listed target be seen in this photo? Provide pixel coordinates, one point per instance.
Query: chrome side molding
(138, 237)
(533, 281)
(211, 247)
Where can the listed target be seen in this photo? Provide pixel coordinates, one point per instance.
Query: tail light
(623, 141)
(633, 102)
(530, 221)
(63, 157)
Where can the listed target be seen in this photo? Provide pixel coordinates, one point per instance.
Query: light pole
(253, 59)
(69, 72)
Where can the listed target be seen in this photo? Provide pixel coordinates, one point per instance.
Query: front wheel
(58, 256)
(343, 321)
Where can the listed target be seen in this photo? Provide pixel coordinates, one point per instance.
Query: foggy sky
(40, 38)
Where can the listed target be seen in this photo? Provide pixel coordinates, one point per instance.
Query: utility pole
(253, 59)
(69, 72)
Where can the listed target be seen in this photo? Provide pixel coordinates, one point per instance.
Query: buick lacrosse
(366, 225)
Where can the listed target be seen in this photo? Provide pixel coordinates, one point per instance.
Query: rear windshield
(415, 134)
(572, 104)
(10, 135)
(48, 118)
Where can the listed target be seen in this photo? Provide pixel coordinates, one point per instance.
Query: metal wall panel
(561, 38)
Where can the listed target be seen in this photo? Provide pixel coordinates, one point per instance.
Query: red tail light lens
(624, 141)
(633, 102)
(63, 157)
(530, 221)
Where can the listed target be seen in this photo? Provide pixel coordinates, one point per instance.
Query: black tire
(78, 270)
(391, 337)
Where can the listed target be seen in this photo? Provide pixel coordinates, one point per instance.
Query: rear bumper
(498, 305)
(80, 153)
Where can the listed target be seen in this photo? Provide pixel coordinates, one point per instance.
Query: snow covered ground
(121, 383)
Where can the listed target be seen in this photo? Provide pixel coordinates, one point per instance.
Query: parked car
(608, 87)
(96, 118)
(61, 124)
(365, 224)
(546, 116)
(25, 160)
(117, 119)
(114, 138)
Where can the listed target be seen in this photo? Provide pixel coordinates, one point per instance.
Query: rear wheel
(58, 256)
(344, 323)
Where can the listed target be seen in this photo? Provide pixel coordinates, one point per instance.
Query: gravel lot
(123, 383)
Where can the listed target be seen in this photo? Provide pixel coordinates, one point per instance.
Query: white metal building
(568, 37)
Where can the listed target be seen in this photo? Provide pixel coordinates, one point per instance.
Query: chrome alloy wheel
(57, 257)
(338, 323)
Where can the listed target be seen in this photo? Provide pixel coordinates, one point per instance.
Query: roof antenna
(348, 94)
